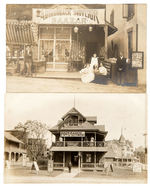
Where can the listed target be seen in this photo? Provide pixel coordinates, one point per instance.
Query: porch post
(9, 156)
(95, 139)
(95, 160)
(106, 35)
(79, 161)
(63, 159)
(64, 142)
(81, 141)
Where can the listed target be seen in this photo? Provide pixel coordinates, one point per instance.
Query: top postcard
(77, 48)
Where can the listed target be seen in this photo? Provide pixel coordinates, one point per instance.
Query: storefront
(79, 141)
(67, 38)
(18, 35)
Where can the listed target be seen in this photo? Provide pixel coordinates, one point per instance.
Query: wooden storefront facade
(79, 141)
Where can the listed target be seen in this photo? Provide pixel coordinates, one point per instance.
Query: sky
(115, 111)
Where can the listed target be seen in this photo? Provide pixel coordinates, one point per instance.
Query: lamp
(90, 28)
(76, 29)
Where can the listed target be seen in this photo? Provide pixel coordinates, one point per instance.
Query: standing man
(28, 60)
(121, 69)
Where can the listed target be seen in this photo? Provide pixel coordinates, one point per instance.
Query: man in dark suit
(121, 69)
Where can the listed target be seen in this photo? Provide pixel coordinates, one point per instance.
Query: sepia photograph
(76, 48)
(75, 138)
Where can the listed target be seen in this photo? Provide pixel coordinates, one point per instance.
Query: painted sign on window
(68, 16)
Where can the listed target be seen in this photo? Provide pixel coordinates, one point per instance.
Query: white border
(2, 51)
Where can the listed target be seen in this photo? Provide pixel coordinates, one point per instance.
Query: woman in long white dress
(87, 74)
(94, 61)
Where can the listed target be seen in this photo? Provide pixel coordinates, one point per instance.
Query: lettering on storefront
(72, 134)
(65, 16)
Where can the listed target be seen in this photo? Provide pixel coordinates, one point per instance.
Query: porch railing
(79, 144)
(58, 165)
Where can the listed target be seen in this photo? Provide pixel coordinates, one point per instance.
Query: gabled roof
(86, 126)
(73, 111)
(122, 139)
(10, 137)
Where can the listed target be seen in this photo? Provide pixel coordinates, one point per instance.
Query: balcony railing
(79, 144)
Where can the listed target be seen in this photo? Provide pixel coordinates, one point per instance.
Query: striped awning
(19, 32)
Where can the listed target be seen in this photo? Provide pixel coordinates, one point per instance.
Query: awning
(18, 33)
(79, 149)
(111, 28)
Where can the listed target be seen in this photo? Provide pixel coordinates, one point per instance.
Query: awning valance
(111, 28)
(19, 33)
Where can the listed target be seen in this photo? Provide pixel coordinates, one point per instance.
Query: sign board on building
(137, 167)
(72, 134)
(68, 16)
(137, 59)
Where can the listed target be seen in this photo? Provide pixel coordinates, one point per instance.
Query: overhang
(111, 28)
(80, 149)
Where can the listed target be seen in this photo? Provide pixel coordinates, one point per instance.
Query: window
(130, 44)
(128, 11)
(88, 158)
(112, 17)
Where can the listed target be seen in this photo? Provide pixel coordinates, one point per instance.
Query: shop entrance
(91, 48)
(74, 159)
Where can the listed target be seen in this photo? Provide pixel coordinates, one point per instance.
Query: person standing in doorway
(94, 61)
(121, 64)
(69, 166)
(28, 60)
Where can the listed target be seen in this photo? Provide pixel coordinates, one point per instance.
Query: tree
(33, 134)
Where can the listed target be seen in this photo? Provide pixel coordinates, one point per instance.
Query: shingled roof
(10, 137)
(73, 111)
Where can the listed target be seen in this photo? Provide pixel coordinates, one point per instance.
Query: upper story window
(128, 11)
(112, 17)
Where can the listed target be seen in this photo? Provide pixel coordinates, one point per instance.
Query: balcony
(79, 144)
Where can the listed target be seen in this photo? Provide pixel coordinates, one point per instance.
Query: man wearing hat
(28, 60)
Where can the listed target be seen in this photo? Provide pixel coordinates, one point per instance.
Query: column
(79, 160)
(64, 142)
(106, 35)
(95, 160)
(9, 158)
(95, 139)
(81, 141)
(63, 159)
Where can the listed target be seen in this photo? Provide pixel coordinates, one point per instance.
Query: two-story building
(131, 22)
(78, 139)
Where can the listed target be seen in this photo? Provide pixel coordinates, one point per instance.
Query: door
(91, 48)
(74, 159)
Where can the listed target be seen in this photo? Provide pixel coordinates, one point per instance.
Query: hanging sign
(68, 16)
(72, 134)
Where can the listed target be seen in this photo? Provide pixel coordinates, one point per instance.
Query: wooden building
(14, 148)
(120, 152)
(64, 36)
(78, 139)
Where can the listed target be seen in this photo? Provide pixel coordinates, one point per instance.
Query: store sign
(137, 59)
(72, 134)
(68, 16)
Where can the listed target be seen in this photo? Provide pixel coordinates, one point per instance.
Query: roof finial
(121, 130)
(74, 102)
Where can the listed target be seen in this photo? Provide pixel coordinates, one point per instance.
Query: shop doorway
(91, 48)
(74, 159)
